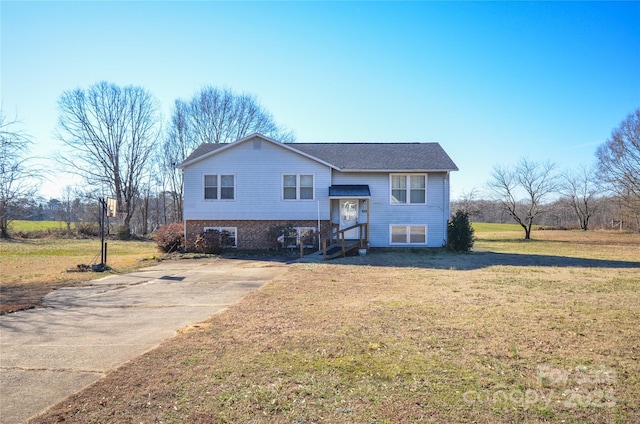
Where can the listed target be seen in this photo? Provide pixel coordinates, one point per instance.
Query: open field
(19, 225)
(33, 268)
(491, 227)
(542, 331)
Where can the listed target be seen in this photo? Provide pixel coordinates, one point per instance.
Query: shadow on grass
(484, 259)
(439, 259)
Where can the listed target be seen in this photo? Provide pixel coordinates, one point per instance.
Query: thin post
(103, 208)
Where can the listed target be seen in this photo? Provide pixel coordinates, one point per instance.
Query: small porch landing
(337, 245)
(337, 249)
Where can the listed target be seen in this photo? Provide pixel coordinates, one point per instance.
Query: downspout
(183, 215)
(445, 208)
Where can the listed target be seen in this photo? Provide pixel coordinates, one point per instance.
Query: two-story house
(249, 187)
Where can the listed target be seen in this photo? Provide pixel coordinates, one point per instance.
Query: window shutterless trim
(230, 230)
(219, 188)
(298, 187)
(406, 188)
(407, 234)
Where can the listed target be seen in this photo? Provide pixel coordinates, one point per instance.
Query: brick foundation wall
(251, 235)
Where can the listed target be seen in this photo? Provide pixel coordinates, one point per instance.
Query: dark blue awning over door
(351, 191)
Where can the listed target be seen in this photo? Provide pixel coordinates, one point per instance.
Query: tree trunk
(585, 223)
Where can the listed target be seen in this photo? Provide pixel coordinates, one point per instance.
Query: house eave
(228, 146)
(403, 170)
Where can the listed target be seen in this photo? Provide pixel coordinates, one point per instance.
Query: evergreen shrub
(460, 233)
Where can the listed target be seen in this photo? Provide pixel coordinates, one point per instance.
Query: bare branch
(213, 115)
(619, 162)
(522, 190)
(111, 133)
(17, 177)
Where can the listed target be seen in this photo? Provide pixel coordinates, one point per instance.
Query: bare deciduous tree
(619, 162)
(522, 190)
(177, 146)
(112, 133)
(580, 191)
(17, 179)
(216, 116)
(221, 116)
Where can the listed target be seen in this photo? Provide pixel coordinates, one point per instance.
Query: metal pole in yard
(103, 208)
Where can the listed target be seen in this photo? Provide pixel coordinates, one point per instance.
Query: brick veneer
(251, 234)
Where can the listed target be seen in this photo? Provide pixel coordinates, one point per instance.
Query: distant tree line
(609, 213)
(80, 212)
(606, 195)
(116, 141)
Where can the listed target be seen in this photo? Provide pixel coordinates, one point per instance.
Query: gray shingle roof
(365, 156)
(380, 156)
(203, 149)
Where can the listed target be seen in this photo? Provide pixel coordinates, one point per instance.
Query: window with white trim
(304, 235)
(219, 187)
(294, 236)
(408, 234)
(408, 189)
(298, 187)
(230, 232)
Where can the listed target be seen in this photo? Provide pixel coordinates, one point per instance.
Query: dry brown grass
(33, 268)
(545, 331)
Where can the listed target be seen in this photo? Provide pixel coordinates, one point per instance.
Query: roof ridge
(364, 142)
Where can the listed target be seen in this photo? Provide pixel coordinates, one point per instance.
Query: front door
(349, 217)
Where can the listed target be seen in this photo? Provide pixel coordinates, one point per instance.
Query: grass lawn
(490, 227)
(540, 331)
(19, 225)
(31, 268)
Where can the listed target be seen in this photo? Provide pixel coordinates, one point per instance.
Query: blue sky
(490, 81)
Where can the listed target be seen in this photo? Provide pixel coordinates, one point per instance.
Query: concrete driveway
(48, 353)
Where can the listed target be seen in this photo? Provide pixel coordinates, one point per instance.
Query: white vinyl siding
(219, 187)
(298, 187)
(258, 185)
(408, 189)
(231, 231)
(407, 234)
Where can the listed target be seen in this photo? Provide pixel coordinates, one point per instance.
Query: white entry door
(349, 217)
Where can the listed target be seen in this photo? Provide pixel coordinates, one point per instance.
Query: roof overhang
(227, 146)
(398, 171)
(352, 191)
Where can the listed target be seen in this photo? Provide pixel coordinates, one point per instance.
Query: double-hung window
(297, 187)
(219, 187)
(408, 189)
(228, 236)
(408, 234)
(294, 236)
